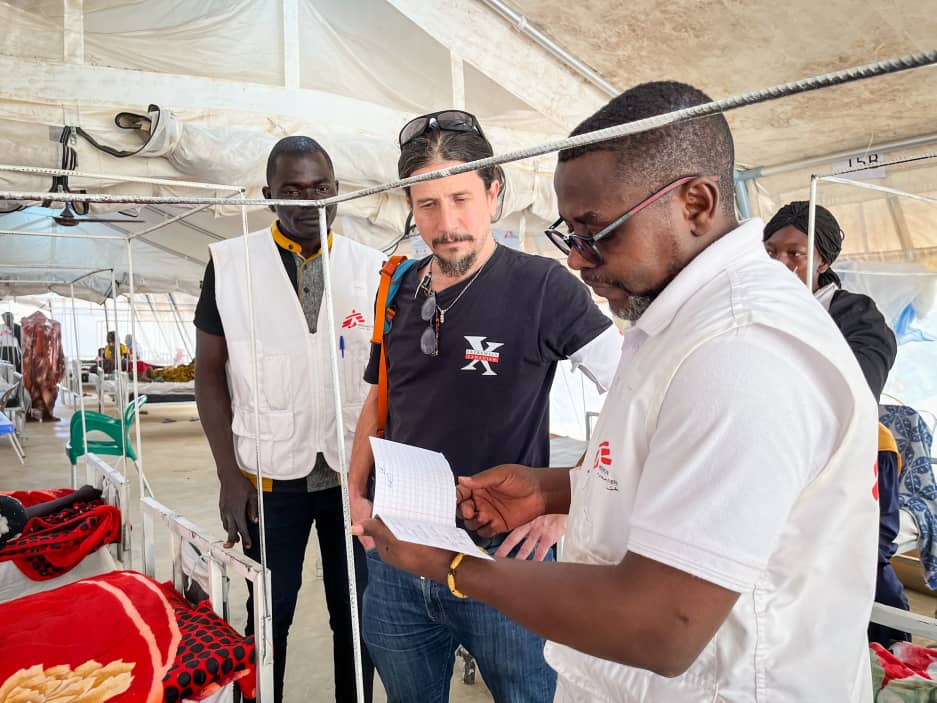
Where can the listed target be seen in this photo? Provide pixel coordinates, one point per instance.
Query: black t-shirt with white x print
(484, 400)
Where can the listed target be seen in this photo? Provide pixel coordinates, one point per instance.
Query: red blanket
(53, 545)
(118, 637)
(905, 673)
(115, 635)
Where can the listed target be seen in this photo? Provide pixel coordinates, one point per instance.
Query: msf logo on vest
(482, 354)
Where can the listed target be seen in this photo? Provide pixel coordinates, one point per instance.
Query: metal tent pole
(342, 463)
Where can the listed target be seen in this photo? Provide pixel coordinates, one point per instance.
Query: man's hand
(361, 509)
(414, 558)
(237, 504)
(500, 499)
(539, 534)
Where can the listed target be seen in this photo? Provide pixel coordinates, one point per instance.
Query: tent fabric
(384, 67)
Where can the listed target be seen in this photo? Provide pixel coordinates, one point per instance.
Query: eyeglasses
(586, 246)
(429, 340)
(446, 120)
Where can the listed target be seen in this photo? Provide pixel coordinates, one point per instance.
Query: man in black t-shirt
(477, 332)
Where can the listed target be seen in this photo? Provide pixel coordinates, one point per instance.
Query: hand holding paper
(415, 496)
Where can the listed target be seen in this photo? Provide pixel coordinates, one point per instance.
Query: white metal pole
(159, 325)
(115, 354)
(144, 485)
(811, 232)
(81, 394)
(263, 634)
(183, 333)
(342, 463)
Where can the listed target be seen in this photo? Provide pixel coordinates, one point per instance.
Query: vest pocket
(274, 426)
(275, 382)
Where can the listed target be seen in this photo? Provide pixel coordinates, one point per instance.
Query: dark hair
(701, 146)
(292, 146)
(442, 145)
(828, 236)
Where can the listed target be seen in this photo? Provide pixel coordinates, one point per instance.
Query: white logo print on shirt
(479, 352)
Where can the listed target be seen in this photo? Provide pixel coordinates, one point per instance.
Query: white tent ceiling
(230, 77)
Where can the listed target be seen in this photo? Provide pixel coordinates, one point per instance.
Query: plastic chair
(115, 445)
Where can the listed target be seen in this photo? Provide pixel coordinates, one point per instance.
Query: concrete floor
(182, 475)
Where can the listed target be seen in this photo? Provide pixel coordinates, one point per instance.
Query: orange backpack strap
(380, 320)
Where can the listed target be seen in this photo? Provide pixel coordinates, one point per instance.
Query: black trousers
(289, 517)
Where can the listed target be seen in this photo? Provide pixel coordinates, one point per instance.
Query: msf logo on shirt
(601, 465)
(353, 320)
(483, 353)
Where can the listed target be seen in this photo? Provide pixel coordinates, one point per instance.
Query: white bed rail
(222, 565)
(115, 491)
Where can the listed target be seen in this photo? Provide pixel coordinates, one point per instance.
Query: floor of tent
(182, 475)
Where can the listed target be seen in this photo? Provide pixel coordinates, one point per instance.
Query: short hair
(702, 146)
(292, 146)
(444, 145)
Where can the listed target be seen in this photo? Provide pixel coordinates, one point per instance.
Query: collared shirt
(310, 281)
(737, 444)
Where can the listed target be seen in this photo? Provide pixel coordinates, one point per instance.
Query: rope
(826, 80)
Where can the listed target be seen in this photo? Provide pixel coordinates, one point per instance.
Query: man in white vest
(722, 527)
(291, 349)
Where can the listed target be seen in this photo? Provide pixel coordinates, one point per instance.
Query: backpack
(392, 274)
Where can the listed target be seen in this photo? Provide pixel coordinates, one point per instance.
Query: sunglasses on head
(445, 120)
(586, 246)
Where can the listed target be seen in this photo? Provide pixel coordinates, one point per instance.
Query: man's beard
(635, 305)
(632, 309)
(454, 268)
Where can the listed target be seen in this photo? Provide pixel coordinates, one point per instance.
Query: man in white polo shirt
(722, 530)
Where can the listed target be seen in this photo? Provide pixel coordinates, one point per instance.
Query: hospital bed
(193, 558)
(155, 391)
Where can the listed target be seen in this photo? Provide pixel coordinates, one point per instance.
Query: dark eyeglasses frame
(445, 120)
(586, 246)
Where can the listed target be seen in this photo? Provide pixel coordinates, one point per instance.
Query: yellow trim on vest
(268, 482)
(285, 242)
(887, 443)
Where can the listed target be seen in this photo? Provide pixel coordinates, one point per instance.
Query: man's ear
(701, 204)
(266, 191)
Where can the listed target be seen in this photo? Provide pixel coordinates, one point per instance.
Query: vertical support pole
(81, 395)
(741, 197)
(159, 325)
(149, 540)
(183, 332)
(144, 485)
(263, 630)
(118, 378)
(458, 81)
(811, 232)
(342, 463)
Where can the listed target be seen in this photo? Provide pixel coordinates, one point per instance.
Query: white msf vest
(295, 390)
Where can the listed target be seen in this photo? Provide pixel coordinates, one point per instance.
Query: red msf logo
(603, 456)
(875, 487)
(353, 320)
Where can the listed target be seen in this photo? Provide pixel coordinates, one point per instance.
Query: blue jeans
(412, 627)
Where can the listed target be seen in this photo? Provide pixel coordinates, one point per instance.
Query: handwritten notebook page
(415, 496)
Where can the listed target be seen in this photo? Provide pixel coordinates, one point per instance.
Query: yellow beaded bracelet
(450, 579)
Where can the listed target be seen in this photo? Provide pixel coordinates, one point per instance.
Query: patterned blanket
(917, 490)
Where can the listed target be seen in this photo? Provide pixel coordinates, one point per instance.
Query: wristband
(450, 579)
